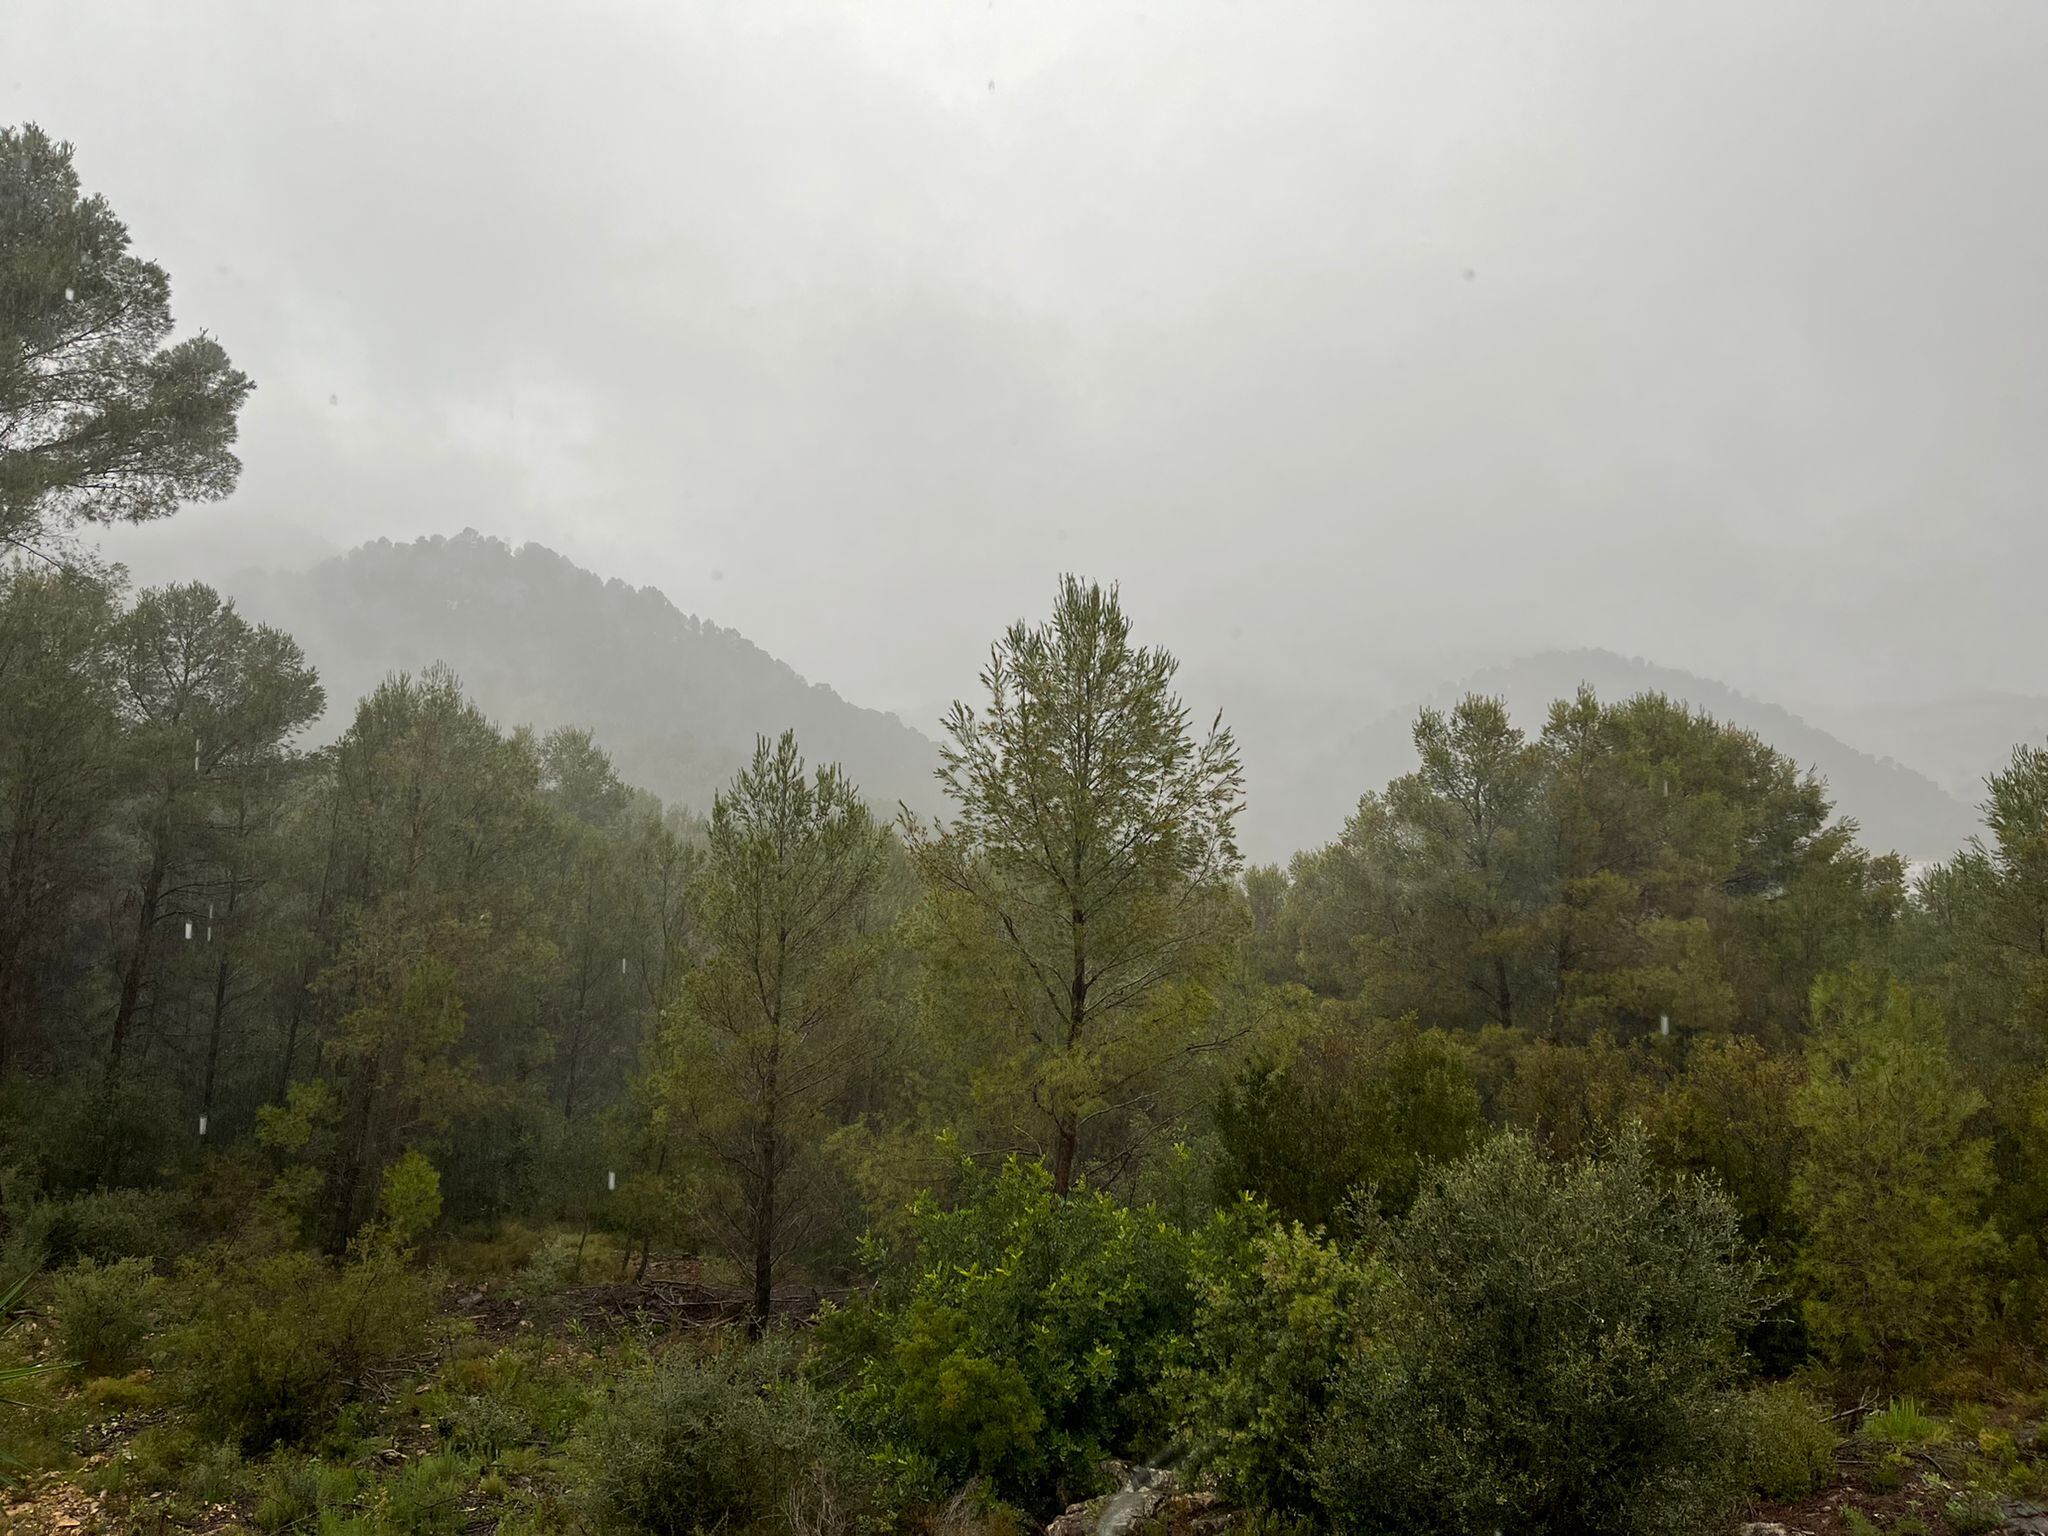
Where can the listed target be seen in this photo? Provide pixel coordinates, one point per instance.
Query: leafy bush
(1553, 1351)
(494, 1401)
(408, 1200)
(1788, 1442)
(425, 1499)
(104, 1312)
(1274, 1316)
(1973, 1512)
(690, 1443)
(552, 1268)
(111, 1224)
(278, 1344)
(1903, 1423)
(1896, 1259)
(1350, 1109)
(1016, 1338)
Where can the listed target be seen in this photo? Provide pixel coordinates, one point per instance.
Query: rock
(1145, 1493)
(2022, 1518)
(1764, 1528)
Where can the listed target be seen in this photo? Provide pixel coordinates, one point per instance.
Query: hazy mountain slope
(1956, 741)
(538, 640)
(1897, 807)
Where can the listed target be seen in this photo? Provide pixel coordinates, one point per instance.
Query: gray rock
(1143, 1492)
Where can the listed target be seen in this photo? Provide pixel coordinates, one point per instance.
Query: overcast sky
(1360, 341)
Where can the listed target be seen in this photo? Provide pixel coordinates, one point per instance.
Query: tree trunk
(131, 978)
(764, 1234)
(1065, 1132)
(220, 1009)
(1064, 1140)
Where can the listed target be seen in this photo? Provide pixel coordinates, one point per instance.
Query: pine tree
(1091, 854)
(100, 422)
(780, 1015)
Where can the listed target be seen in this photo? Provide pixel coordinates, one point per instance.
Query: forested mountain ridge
(678, 699)
(1896, 807)
(538, 640)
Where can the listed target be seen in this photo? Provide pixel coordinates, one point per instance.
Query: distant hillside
(1957, 741)
(1897, 807)
(537, 640)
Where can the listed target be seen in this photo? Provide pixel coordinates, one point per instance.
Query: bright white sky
(1362, 342)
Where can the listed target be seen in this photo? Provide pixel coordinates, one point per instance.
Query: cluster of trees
(431, 923)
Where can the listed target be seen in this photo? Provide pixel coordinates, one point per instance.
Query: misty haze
(803, 769)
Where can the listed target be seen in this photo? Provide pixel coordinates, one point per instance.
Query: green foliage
(1016, 1337)
(1892, 1188)
(1350, 1109)
(1639, 860)
(277, 1344)
(1788, 1443)
(13, 1373)
(1571, 1097)
(1730, 1115)
(493, 1402)
(111, 1224)
(1903, 1424)
(1973, 1512)
(1084, 884)
(1554, 1352)
(102, 422)
(409, 1202)
(717, 1441)
(1442, 877)
(775, 1023)
(1273, 1318)
(104, 1312)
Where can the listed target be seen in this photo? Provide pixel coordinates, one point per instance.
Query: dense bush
(1553, 1351)
(1274, 1316)
(1788, 1443)
(277, 1344)
(104, 1312)
(111, 1224)
(1017, 1338)
(713, 1442)
(1349, 1109)
(1897, 1253)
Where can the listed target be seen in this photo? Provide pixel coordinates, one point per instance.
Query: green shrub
(1903, 1423)
(27, 1222)
(1554, 1351)
(111, 1224)
(104, 1312)
(1350, 1109)
(690, 1443)
(1788, 1442)
(1973, 1512)
(425, 1499)
(408, 1200)
(1017, 1338)
(277, 1345)
(485, 1427)
(552, 1268)
(1274, 1316)
(495, 1401)
(288, 1495)
(1896, 1260)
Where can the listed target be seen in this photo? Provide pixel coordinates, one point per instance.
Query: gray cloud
(1359, 341)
